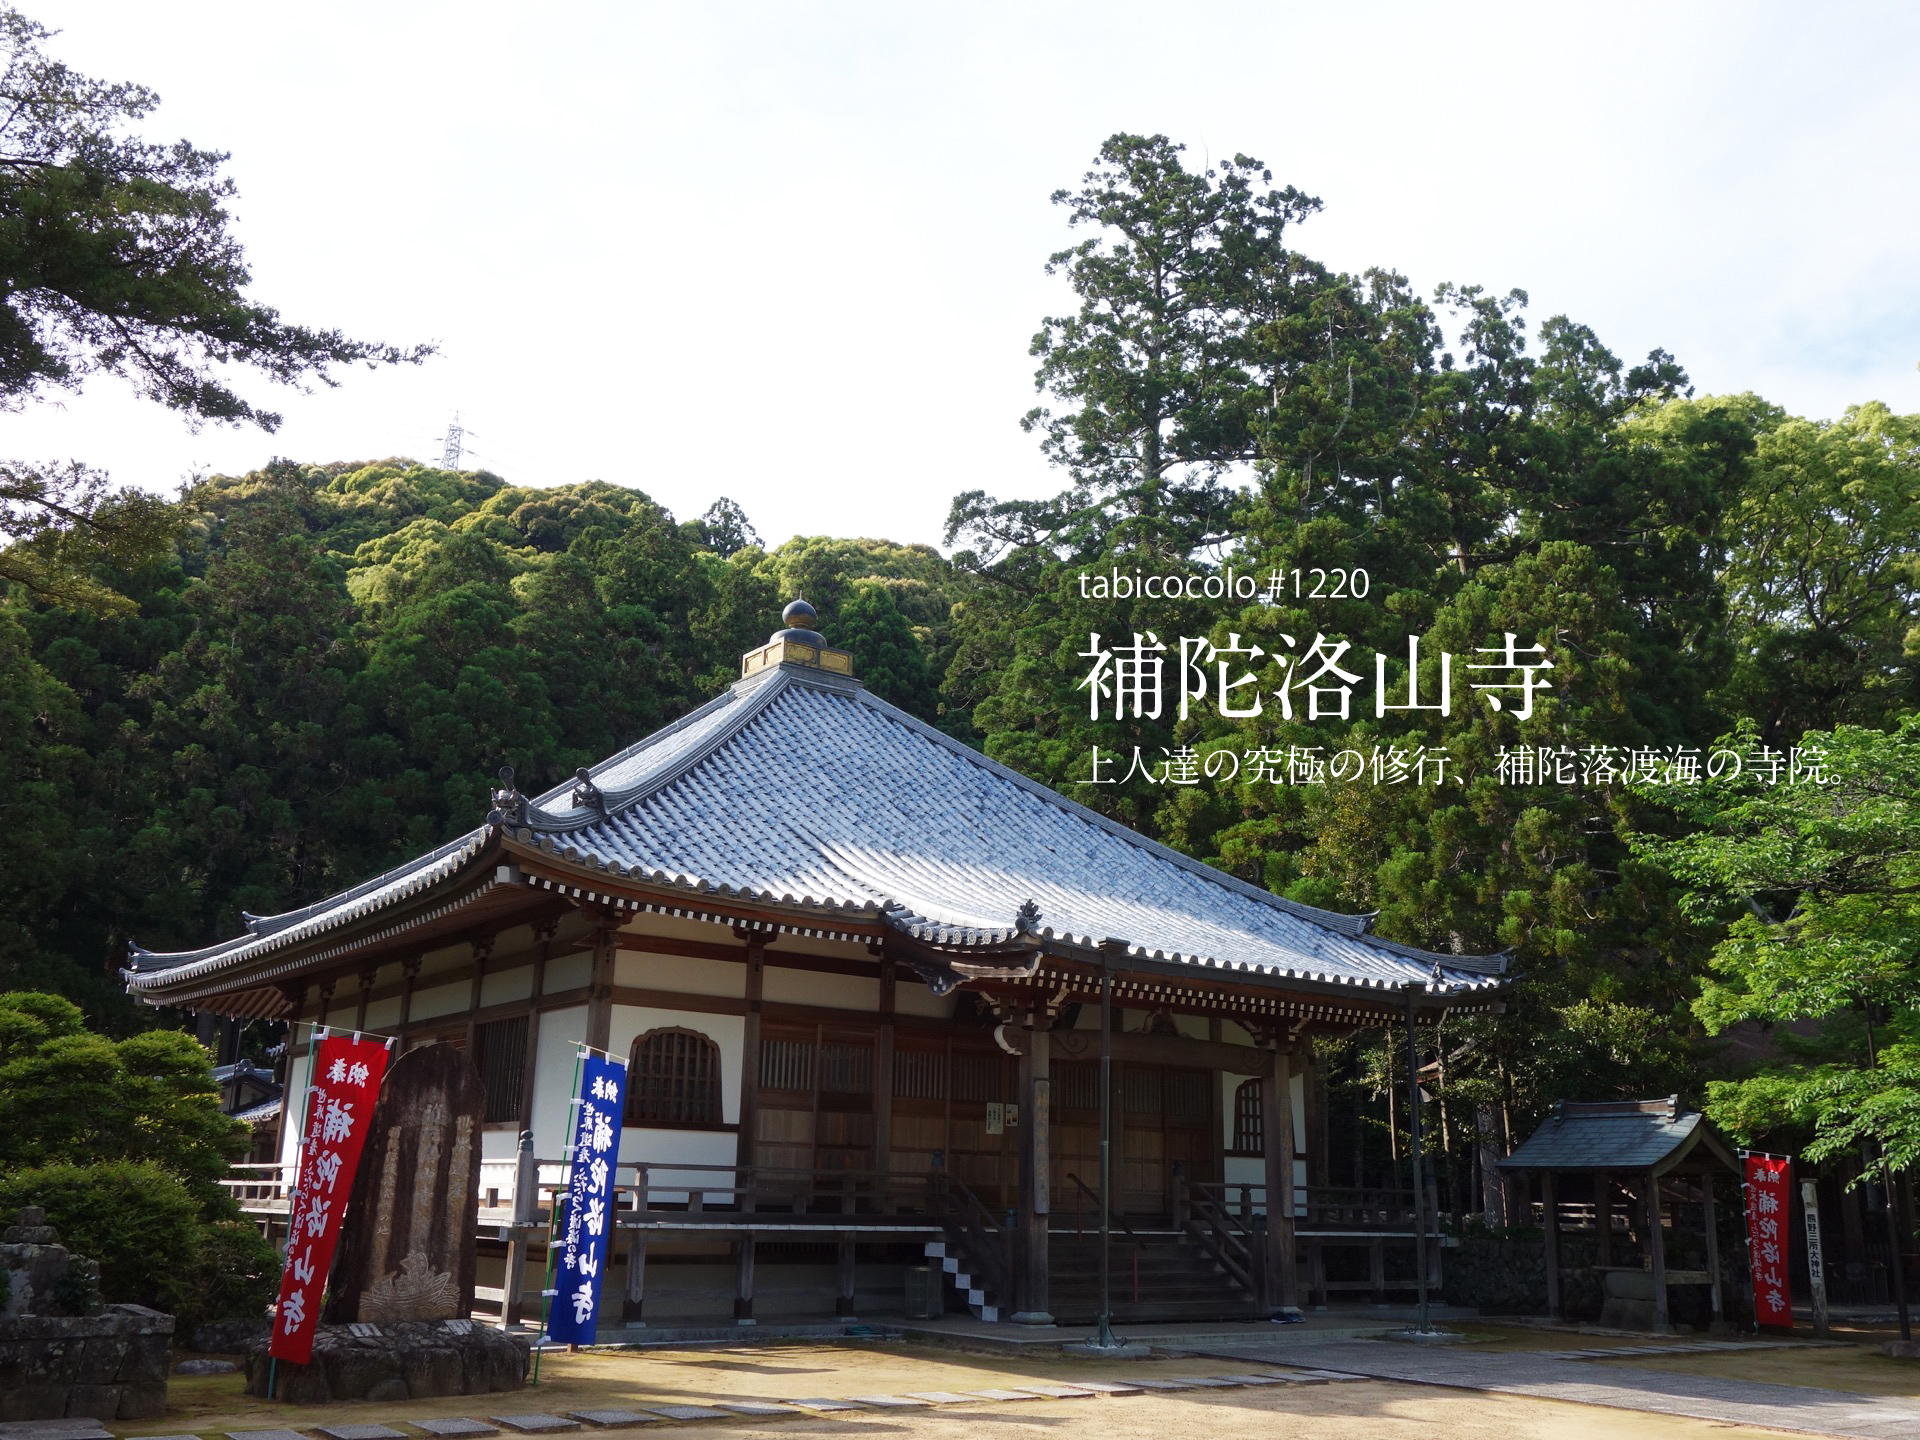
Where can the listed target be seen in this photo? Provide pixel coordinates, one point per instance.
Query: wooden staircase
(1156, 1275)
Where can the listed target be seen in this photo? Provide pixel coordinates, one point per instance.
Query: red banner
(1768, 1191)
(346, 1082)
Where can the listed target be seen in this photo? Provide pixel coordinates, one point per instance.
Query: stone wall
(1504, 1272)
(110, 1366)
(411, 1360)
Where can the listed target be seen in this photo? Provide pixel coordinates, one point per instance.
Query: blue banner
(575, 1314)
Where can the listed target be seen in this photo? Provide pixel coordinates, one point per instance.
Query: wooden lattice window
(786, 1064)
(1249, 1134)
(500, 1053)
(919, 1074)
(674, 1079)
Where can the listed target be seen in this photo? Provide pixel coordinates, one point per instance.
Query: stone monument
(407, 1252)
(62, 1353)
(396, 1324)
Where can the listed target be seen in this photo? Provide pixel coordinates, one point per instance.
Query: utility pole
(1103, 1337)
(1413, 1151)
(1896, 1258)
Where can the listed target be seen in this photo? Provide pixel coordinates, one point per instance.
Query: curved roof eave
(154, 971)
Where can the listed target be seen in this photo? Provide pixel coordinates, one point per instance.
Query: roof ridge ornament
(798, 644)
(1026, 920)
(509, 805)
(586, 794)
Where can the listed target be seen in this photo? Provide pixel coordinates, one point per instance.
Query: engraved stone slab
(1006, 1395)
(360, 1432)
(535, 1424)
(455, 1428)
(818, 1404)
(755, 1407)
(408, 1251)
(689, 1412)
(613, 1419)
(891, 1402)
(458, 1327)
(364, 1332)
(1060, 1392)
(942, 1397)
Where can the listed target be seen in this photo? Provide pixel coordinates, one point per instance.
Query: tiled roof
(799, 788)
(1621, 1135)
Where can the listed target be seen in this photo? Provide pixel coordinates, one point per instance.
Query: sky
(794, 254)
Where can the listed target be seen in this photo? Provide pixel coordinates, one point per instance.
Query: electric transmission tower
(450, 455)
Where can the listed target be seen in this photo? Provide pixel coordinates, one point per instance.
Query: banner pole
(553, 1214)
(314, 1033)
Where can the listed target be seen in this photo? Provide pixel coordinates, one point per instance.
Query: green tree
(117, 256)
(1815, 888)
(69, 1096)
(1155, 370)
(887, 656)
(1823, 572)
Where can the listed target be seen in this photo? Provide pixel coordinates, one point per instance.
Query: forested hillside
(323, 672)
(322, 677)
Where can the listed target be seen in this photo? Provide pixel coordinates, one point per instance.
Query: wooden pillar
(481, 950)
(1036, 1172)
(543, 951)
(320, 1015)
(883, 1087)
(1276, 1126)
(1657, 1247)
(1316, 1275)
(409, 972)
(367, 978)
(600, 982)
(743, 1281)
(633, 1305)
(750, 1048)
(847, 1272)
(1713, 1248)
(525, 1181)
(1550, 1227)
(296, 997)
(1603, 1218)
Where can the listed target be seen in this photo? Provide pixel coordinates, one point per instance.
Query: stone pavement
(652, 1413)
(1573, 1375)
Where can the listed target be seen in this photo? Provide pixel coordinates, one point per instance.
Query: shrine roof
(798, 788)
(1624, 1135)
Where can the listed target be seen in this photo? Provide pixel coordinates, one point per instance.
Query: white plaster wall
(561, 1032)
(661, 1150)
(435, 1001)
(499, 1144)
(729, 1032)
(1252, 1170)
(293, 1111)
(568, 972)
(383, 1015)
(688, 974)
(911, 997)
(515, 984)
(835, 992)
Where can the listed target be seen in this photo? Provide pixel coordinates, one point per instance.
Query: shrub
(139, 1222)
(239, 1273)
